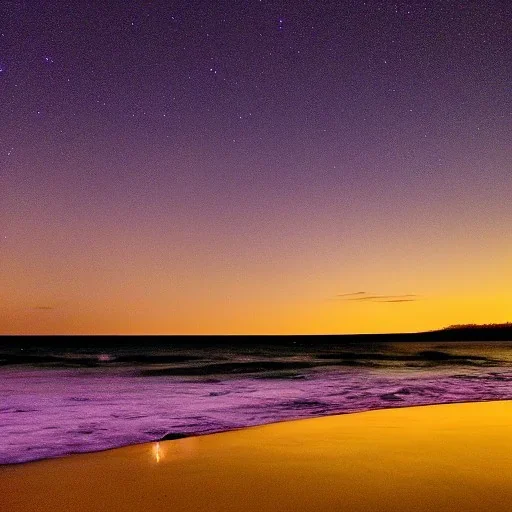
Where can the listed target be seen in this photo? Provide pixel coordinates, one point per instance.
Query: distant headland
(452, 333)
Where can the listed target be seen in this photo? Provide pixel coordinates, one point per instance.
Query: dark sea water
(54, 403)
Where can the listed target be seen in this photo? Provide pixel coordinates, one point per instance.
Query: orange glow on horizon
(131, 281)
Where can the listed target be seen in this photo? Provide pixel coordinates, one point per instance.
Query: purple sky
(232, 166)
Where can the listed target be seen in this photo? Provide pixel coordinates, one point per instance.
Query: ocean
(55, 402)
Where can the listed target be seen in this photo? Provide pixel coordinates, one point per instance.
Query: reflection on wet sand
(157, 452)
(170, 451)
(438, 459)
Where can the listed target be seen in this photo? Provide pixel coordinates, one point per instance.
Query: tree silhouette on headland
(507, 325)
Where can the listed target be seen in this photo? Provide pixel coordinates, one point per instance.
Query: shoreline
(442, 457)
(243, 428)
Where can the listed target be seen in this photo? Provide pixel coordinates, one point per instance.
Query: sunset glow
(199, 173)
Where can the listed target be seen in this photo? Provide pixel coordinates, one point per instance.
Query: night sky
(254, 166)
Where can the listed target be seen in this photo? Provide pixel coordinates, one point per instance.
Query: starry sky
(254, 166)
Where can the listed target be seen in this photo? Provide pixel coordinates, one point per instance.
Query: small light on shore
(157, 453)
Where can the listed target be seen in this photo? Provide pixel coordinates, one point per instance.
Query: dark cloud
(385, 297)
(363, 297)
(396, 300)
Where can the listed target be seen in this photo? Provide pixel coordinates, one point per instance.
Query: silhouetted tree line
(507, 325)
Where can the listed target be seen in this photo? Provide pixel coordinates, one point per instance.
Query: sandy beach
(435, 458)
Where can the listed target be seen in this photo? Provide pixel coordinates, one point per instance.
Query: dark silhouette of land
(454, 333)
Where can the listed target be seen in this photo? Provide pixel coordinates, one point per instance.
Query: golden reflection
(157, 452)
(397, 460)
(173, 450)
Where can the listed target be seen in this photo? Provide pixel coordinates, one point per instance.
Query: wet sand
(436, 458)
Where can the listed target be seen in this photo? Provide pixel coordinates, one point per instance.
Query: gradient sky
(254, 166)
